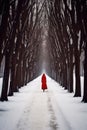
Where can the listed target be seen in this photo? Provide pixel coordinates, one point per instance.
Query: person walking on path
(44, 84)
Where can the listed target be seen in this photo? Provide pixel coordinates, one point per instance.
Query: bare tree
(23, 38)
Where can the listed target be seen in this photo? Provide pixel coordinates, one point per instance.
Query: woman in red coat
(43, 80)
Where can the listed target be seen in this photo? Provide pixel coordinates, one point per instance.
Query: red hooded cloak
(43, 80)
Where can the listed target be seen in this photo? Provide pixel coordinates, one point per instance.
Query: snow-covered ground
(33, 109)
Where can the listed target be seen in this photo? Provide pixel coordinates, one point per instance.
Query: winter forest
(47, 36)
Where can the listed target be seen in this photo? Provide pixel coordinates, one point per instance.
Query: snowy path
(43, 112)
(33, 109)
(39, 115)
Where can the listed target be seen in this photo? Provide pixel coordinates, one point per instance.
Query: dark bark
(71, 71)
(15, 87)
(11, 90)
(5, 79)
(4, 10)
(85, 77)
(65, 76)
(77, 70)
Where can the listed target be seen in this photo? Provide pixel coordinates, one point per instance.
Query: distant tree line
(67, 37)
(20, 36)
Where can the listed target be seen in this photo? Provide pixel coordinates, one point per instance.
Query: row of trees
(20, 35)
(67, 37)
(21, 32)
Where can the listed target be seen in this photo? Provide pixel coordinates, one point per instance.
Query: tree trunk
(3, 27)
(65, 76)
(15, 87)
(71, 71)
(77, 71)
(85, 77)
(11, 81)
(5, 79)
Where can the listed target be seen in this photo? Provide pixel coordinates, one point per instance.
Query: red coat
(43, 80)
